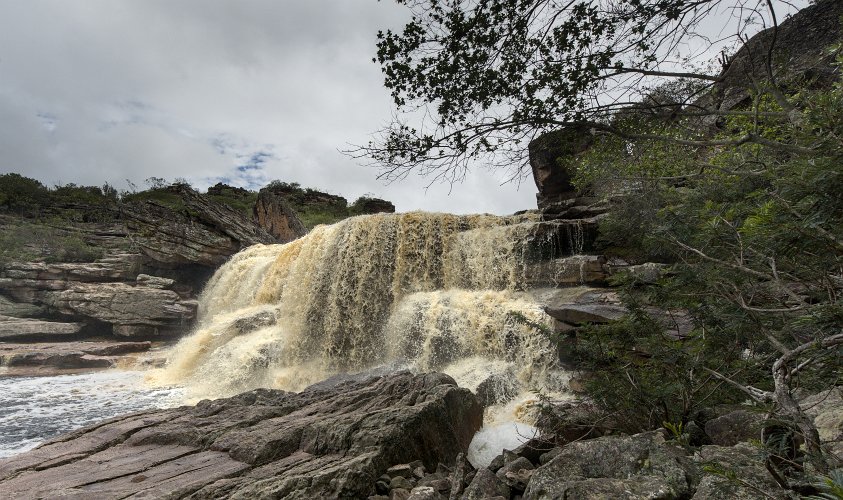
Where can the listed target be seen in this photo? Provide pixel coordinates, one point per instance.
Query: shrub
(21, 194)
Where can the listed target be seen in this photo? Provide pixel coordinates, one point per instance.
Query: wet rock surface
(51, 358)
(320, 443)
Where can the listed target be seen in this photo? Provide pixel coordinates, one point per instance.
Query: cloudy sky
(95, 91)
(238, 91)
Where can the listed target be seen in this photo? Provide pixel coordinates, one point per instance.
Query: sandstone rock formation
(204, 233)
(798, 56)
(320, 443)
(12, 328)
(156, 259)
(546, 151)
(274, 214)
(557, 197)
(107, 295)
(64, 357)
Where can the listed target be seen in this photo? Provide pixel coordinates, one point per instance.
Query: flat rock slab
(329, 442)
(578, 314)
(63, 357)
(18, 328)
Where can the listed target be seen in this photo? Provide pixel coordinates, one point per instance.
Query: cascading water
(418, 290)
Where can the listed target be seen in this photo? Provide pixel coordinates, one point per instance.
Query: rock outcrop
(273, 213)
(108, 296)
(204, 232)
(155, 260)
(64, 357)
(12, 328)
(557, 197)
(321, 443)
(799, 56)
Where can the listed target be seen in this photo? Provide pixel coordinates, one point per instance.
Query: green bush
(754, 233)
(21, 194)
(161, 195)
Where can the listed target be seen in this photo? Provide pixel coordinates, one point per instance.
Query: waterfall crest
(425, 290)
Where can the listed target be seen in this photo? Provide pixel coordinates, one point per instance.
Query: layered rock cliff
(128, 268)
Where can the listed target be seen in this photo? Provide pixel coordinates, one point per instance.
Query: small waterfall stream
(423, 291)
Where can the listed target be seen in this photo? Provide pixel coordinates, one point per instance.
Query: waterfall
(421, 290)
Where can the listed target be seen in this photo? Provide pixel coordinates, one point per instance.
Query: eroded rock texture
(325, 442)
(273, 213)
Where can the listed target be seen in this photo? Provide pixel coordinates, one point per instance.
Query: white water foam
(34, 409)
(430, 291)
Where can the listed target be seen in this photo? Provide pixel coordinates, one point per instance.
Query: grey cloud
(95, 91)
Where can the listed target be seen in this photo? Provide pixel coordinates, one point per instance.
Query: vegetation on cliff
(754, 239)
(49, 224)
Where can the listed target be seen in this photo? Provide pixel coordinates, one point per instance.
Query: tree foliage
(754, 236)
(474, 78)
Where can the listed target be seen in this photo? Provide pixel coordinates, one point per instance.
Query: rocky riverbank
(396, 437)
(325, 442)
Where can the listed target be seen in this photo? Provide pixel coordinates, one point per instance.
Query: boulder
(497, 388)
(735, 427)
(274, 214)
(516, 473)
(424, 493)
(485, 485)
(124, 305)
(320, 443)
(735, 472)
(631, 467)
(826, 408)
(533, 449)
(567, 421)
